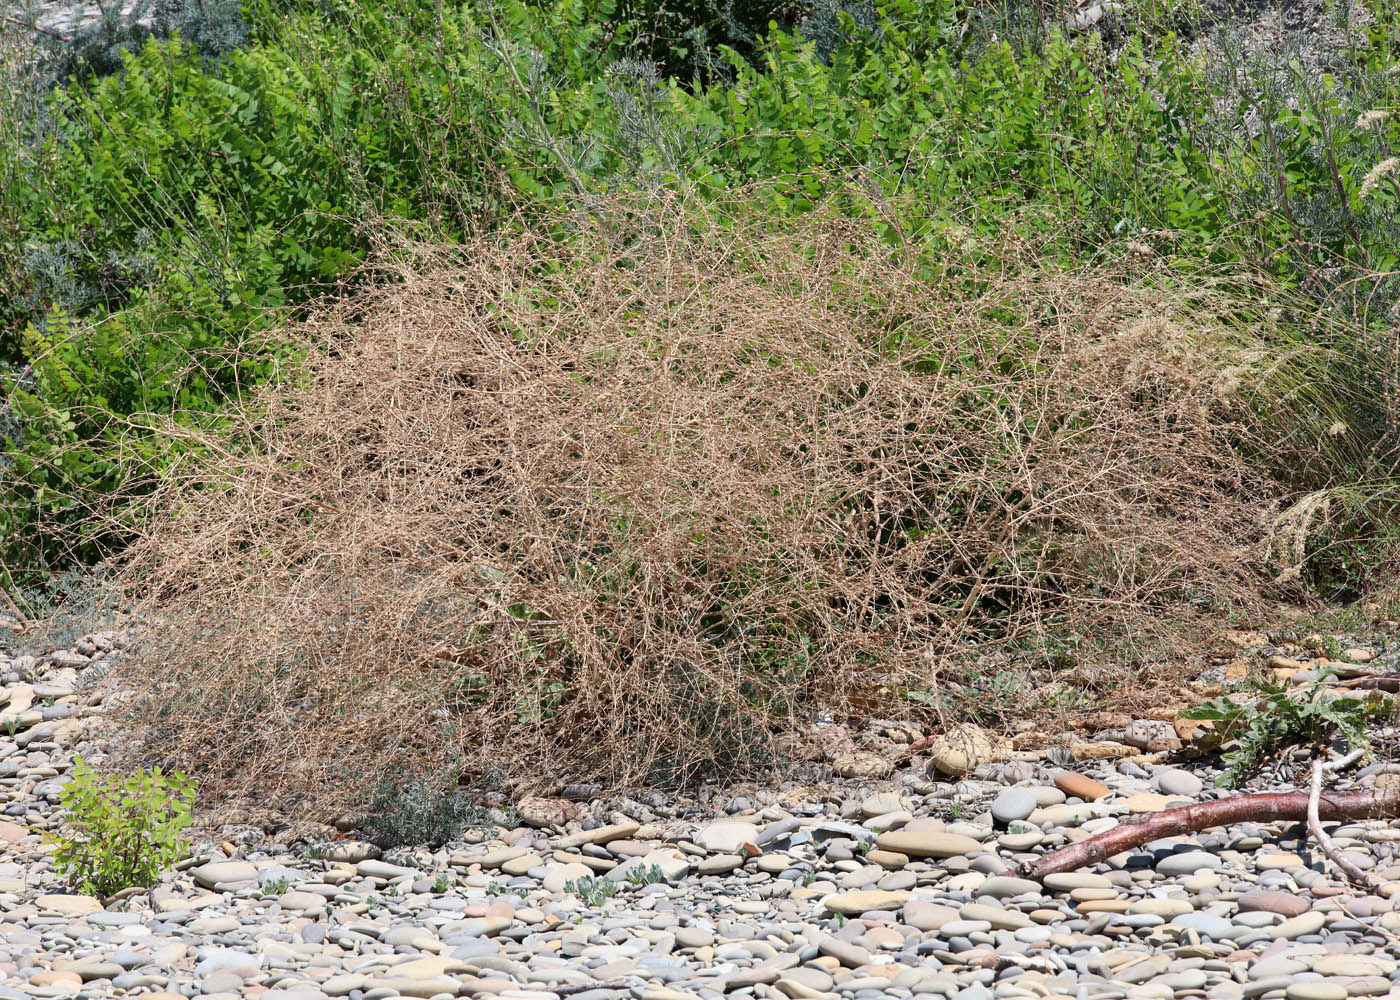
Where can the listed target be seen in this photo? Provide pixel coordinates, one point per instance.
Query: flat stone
(853, 904)
(926, 916)
(1306, 923)
(215, 874)
(1176, 782)
(727, 836)
(1188, 863)
(382, 869)
(1145, 802)
(1271, 901)
(69, 905)
(852, 956)
(602, 835)
(719, 864)
(917, 844)
(1069, 881)
(1353, 965)
(1013, 804)
(1007, 886)
(1001, 919)
(1315, 990)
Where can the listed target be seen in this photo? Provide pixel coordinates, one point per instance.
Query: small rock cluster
(854, 890)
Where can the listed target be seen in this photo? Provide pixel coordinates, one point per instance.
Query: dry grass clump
(617, 509)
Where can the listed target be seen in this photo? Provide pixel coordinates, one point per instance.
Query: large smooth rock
(853, 904)
(961, 749)
(540, 812)
(602, 835)
(921, 844)
(69, 905)
(862, 764)
(726, 836)
(215, 874)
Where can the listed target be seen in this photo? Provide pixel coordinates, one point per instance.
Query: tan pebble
(1103, 906)
(891, 860)
(1087, 892)
(1082, 786)
(49, 978)
(1145, 802)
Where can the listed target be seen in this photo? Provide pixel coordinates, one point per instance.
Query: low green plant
(277, 886)
(1277, 715)
(428, 809)
(592, 891)
(120, 832)
(649, 875)
(441, 884)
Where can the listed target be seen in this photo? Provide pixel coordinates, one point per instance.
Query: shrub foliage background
(183, 185)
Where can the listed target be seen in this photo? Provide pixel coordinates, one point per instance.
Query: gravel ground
(857, 889)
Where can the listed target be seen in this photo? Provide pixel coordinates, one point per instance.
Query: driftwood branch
(1324, 842)
(1261, 808)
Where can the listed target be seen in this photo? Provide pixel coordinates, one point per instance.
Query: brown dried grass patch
(620, 509)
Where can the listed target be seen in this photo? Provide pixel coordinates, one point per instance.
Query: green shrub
(174, 212)
(120, 832)
(425, 809)
(1274, 714)
(158, 225)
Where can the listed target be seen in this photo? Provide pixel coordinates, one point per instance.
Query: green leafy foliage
(120, 832)
(425, 809)
(189, 186)
(592, 891)
(648, 875)
(1276, 714)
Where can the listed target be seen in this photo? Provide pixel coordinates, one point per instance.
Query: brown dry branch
(1264, 807)
(628, 510)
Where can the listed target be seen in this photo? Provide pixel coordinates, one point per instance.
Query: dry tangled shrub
(616, 509)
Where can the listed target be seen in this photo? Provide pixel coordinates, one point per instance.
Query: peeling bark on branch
(1261, 808)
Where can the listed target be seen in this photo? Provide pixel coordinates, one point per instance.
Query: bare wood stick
(1324, 841)
(1260, 808)
(34, 27)
(1342, 763)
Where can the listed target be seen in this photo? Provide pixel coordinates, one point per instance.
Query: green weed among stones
(121, 832)
(1280, 714)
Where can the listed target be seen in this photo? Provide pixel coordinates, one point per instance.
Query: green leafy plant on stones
(441, 884)
(276, 886)
(120, 832)
(1279, 714)
(592, 891)
(429, 809)
(649, 875)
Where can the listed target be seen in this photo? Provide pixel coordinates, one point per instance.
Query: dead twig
(1324, 842)
(34, 27)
